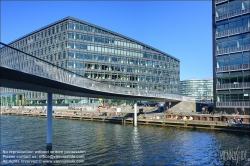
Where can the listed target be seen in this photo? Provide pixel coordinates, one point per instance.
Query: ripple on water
(115, 144)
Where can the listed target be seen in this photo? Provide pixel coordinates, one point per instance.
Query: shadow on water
(117, 144)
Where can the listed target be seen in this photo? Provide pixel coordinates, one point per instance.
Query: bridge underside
(19, 80)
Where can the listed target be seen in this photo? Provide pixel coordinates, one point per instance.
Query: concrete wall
(183, 106)
(186, 106)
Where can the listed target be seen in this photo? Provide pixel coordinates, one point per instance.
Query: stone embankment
(149, 116)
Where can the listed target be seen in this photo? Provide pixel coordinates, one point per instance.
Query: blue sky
(182, 29)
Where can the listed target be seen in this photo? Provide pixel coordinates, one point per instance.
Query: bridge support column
(135, 114)
(49, 122)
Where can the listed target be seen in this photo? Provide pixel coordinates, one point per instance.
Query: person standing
(243, 110)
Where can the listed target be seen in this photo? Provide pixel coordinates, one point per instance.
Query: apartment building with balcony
(231, 51)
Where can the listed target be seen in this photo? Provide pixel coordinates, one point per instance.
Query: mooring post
(49, 122)
(135, 113)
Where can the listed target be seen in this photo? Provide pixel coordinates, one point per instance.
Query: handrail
(233, 104)
(232, 14)
(235, 85)
(42, 68)
(232, 31)
(233, 67)
(43, 60)
(233, 49)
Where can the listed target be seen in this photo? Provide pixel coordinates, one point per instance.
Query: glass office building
(201, 90)
(231, 46)
(100, 54)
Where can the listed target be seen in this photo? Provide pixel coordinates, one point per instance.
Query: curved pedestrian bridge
(21, 70)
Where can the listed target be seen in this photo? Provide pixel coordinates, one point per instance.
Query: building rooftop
(87, 23)
(195, 79)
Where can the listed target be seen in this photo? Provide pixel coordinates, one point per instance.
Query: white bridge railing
(23, 62)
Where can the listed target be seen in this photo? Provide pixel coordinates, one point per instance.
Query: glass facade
(12, 100)
(18, 97)
(101, 54)
(201, 90)
(231, 46)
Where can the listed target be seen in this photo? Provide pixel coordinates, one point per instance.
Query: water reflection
(136, 144)
(115, 144)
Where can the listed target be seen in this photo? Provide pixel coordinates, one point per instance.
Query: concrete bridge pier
(135, 113)
(49, 122)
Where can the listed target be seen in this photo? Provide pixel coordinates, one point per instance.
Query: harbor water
(116, 144)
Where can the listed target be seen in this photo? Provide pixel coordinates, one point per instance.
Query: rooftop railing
(234, 31)
(233, 68)
(233, 104)
(236, 85)
(233, 49)
(233, 14)
(23, 62)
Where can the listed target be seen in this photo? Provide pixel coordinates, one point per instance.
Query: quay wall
(201, 121)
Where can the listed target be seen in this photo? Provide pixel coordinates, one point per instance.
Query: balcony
(230, 32)
(233, 68)
(233, 49)
(233, 14)
(233, 104)
(220, 1)
(236, 85)
(4, 90)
